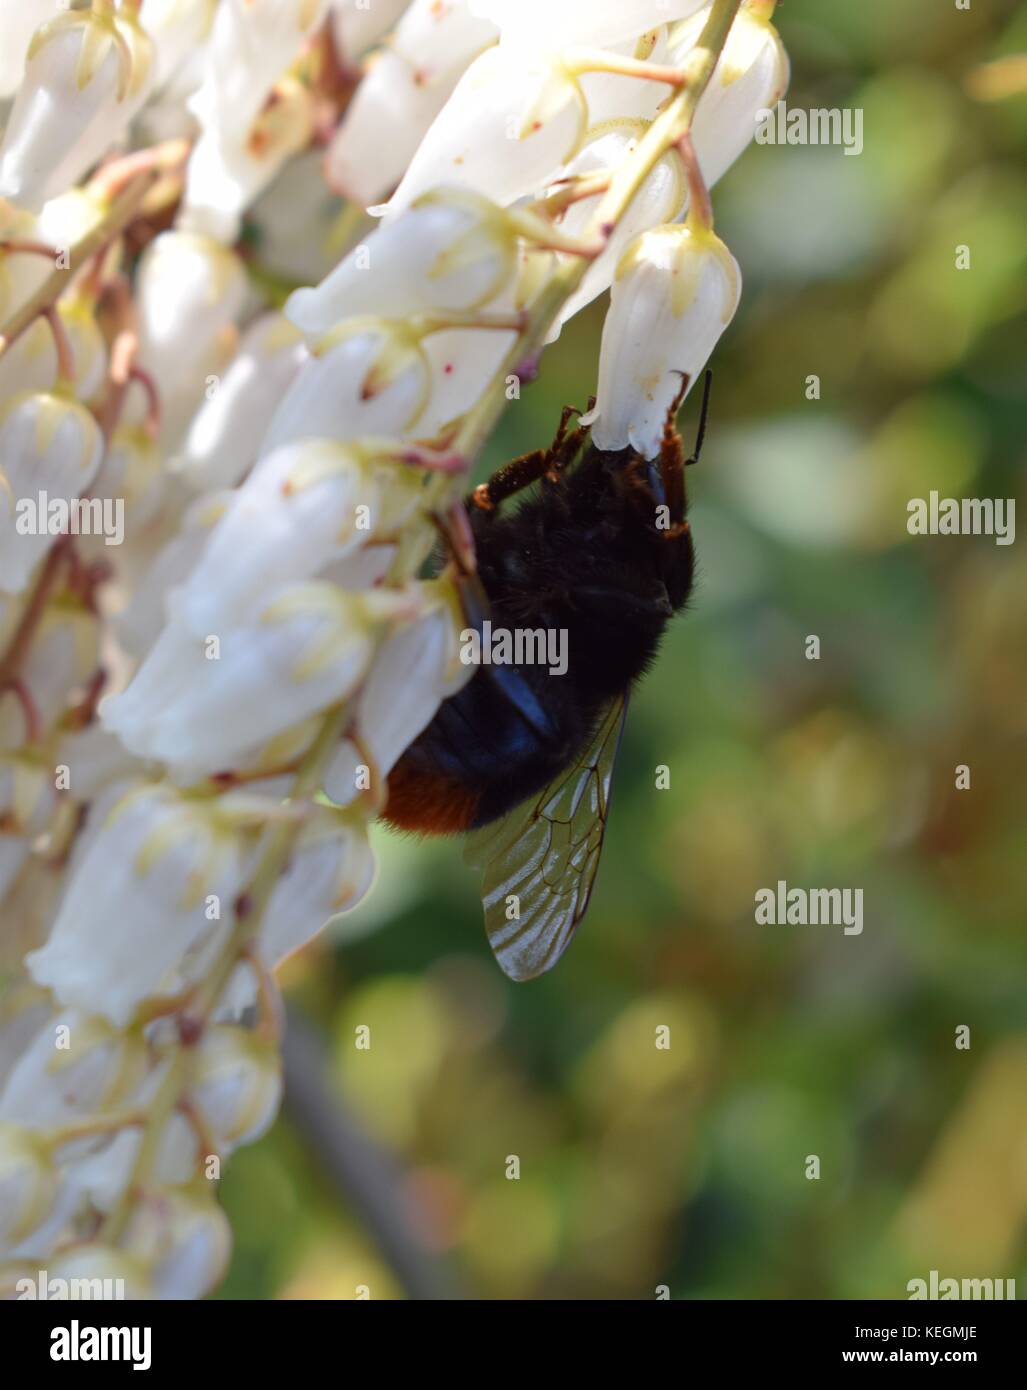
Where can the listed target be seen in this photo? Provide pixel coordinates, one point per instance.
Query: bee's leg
(512, 477)
(521, 472)
(672, 462)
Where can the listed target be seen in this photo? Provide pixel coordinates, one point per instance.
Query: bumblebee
(520, 759)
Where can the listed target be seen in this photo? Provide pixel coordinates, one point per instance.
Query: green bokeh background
(686, 1167)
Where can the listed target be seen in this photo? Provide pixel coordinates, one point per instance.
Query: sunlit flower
(453, 250)
(182, 1239)
(530, 107)
(752, 74)
(86, 76)
(225, 436)
(407, 85)
(252, 44)
(676, 291)
(367, 377)
(304, 508)
(190, 291)
(159, 876)
(201, 704)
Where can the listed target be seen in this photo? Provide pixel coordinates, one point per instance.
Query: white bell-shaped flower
(228, 171)
(203, 705)
(189, 290)
(302, 509)
(252, 44)
(452, 250)
(86, 76)
(64, 655)
(98, 1173)
(676, 291)
(381, 130)
(183, 1239)
(19, 20)
(132, 473)
(158, 877)
(31, 363)
(50, 451)
(331, 871)
(436, 35)
(28, 1184)
(178, 28)
(77, 1065)
(225, 437)
(661, 199)
(368, 377)
(751, 75)
(236, 1084)
(407, 85)
(462, 362)
(512, 121)
(142, 621)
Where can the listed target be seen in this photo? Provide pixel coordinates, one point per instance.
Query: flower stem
(120, 212)
(62, 344)
(46, 582)
(700, 205)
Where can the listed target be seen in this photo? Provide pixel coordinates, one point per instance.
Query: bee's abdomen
(425, 800)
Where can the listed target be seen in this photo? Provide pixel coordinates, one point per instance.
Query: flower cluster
(216, 639)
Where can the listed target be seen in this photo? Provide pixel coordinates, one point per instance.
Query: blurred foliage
(686, 1167)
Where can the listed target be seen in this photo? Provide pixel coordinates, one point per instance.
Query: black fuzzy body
(584, 553)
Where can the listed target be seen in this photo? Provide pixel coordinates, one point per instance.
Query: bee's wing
(545, 853)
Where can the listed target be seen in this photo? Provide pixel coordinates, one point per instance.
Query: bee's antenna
(704, 412)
